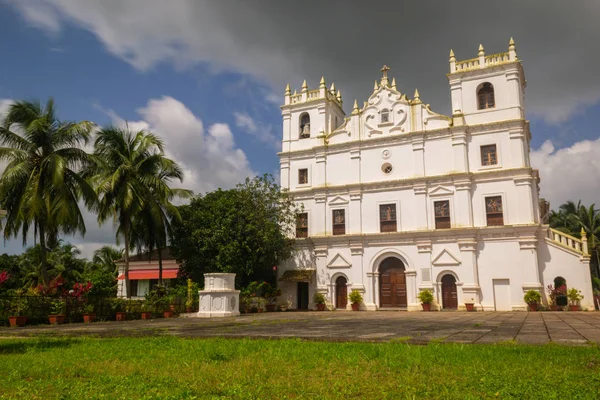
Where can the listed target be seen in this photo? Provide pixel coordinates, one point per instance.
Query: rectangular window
(339, 222)
(493, 210)
(489, 155)
(387, 218)
(303, 176)
(442, 214)
(302, 225)
(133, 286)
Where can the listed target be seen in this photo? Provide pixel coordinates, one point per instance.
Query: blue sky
(209, 76)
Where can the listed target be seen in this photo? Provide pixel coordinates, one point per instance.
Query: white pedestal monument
(219, 297)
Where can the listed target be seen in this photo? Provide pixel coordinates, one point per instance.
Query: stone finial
(339, 96)
(322, 83)
(512, 50)
(355, 108)
(394, 83)
(452, 58)
(481, 52)
(417, 99)
(376, 86)
(452, 61)
(332, 89)
(295, 92)
(365, 104)
(584, 242)
(287, 90)
(304, 86)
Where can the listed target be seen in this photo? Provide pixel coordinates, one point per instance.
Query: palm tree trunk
(160, 266)
(43, 255)
(126, 271)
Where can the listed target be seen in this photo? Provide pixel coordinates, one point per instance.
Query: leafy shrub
(319, 298)
(355, 297)
(574, 296)
(425, 296)
(57, 307)
(532, 297)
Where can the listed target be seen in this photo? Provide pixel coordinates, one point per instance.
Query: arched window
(485, 96)
(385, 116)
(304, 126)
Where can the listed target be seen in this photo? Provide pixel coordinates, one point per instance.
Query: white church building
(399, 199)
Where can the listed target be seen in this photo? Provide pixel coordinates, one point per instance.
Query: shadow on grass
(35, 345)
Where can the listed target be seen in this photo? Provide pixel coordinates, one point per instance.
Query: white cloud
(209, 158)
(262, 132)
(569, 173)
(271, 42)
(4, 106)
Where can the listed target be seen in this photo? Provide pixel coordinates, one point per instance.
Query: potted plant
(271, 294)
(532, 298)
(118, 306)
(552, 293)
(88, 313)
(17, 309)
(189, 305)
(260, 304)
(355, 299)
(56, 312)
(320, 301)
(574, 296)
(147, 308)
(426, 298)
(470, 306)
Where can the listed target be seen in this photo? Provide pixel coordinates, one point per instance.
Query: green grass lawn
(173, 368)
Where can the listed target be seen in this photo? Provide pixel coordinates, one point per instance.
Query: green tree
(246, 230)
(571, 218)
(105, 258)
(127, 172)
(41, 185)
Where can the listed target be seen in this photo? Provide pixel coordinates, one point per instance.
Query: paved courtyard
(414, 327)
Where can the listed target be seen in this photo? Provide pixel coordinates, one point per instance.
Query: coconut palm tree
(153, 224)
(127, 172)
(106, 257)
(41, 185)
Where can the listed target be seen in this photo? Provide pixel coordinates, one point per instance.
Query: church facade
(398, 199)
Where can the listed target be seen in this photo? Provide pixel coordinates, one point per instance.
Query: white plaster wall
(555, 261)
(438, 156)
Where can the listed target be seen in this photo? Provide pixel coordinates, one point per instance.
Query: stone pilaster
(471, 291)
(420, 207)
(411, 290)
(463, 204)
(355, 223)
(418, 144)
(525, 213)
(459, 150)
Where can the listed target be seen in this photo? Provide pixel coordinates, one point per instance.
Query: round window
(387, 168)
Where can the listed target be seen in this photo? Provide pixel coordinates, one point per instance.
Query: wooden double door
(449, 294)
(341, 292)
(392, 283)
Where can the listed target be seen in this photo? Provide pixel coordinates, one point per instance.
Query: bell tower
(488, 88)
(310, 115)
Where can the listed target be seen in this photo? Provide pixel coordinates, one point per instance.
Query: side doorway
(449, 294)
(341, 293)
(302, 296)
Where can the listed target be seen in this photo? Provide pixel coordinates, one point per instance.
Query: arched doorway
(560, 287)
(392, 283)
(449, 295)
(341, 292)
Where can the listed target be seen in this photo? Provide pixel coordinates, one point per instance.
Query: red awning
(149, 274)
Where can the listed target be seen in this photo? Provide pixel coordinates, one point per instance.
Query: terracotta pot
(426, 306)
(320, 307)
(188, 310)
(270, 307)
(146, 315)
(121, 316)
(168, 314)
(56, 319)
(554, 308)
(470, 306)
(533, 306)
(172, 307)
(260, 310)
(574, 308)
(89, 317)
(17, 321)
(355, 306)
(596, 301)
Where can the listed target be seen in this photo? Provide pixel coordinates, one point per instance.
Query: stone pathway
(573, 328)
